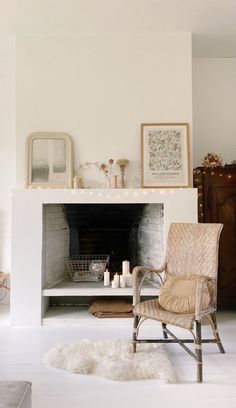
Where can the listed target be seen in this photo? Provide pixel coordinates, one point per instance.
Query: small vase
(122, 178)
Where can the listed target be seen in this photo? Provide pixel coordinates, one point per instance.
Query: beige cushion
(177, 295)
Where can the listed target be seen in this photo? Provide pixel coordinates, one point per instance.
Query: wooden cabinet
(217, 203)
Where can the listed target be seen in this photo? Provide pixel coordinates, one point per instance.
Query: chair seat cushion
(151, 309)
(178, 294)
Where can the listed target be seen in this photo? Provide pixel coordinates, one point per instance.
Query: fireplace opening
(133, 232)
(105, 229)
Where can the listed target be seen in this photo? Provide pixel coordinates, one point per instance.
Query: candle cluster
(123, 280)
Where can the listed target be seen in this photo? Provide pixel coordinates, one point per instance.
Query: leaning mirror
(50, 160)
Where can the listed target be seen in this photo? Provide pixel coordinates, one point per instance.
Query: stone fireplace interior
(127, 231)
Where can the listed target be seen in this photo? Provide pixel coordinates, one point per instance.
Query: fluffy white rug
(112, 360)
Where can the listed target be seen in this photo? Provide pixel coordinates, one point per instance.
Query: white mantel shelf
(27, 297)
(69, 288)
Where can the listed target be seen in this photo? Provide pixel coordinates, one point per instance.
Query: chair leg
(165, 335)
(216, 334)
(198, 350)
(135, 325)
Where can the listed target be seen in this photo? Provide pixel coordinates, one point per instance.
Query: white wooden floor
(22, 350)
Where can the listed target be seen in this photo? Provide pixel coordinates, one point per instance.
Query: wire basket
(87, 268)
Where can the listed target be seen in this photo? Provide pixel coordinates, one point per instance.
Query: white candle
(114, 284)
(129, 279)
(106, 278)
(117, 279)
(125, 267)
(122, 281)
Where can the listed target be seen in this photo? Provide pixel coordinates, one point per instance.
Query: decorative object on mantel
(49, 160)
(104, 308)
(113, 360)
(78, 182)
(122, 163)
(212, 160)
(88, 174)
(109, 173)
(165, 155)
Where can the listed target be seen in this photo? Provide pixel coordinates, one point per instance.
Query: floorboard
(21, 357)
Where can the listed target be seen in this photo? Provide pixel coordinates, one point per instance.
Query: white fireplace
(30, 296)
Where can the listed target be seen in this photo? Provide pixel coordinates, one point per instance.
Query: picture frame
(49, 160)
(165, 155)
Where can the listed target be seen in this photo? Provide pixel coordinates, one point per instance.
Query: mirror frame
(68, 159)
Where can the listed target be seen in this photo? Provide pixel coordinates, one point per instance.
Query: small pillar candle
(117, 279)
(122, 281)
(129, 279)
(125, 268)
(106, 278)
(114, 284)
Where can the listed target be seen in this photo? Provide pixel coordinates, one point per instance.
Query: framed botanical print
(50, 160)
(165, 155)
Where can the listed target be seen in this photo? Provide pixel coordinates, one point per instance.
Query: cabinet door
(223, 210)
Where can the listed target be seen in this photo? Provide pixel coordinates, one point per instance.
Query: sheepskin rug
(113, 360)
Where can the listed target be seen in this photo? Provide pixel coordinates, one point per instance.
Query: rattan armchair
(191, 249)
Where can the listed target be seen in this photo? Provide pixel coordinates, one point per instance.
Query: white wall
(95, 86)
(99, 88)
(7, 145)
(214, 108)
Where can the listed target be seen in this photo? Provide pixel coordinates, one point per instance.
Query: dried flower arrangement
(107, 169)
(212, 160)
(110, 171)
(122, 163)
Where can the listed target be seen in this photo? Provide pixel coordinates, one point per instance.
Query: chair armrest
(3, 280)
(138, 286)
(199, 292)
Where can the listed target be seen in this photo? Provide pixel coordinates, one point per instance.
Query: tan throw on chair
(189, 288)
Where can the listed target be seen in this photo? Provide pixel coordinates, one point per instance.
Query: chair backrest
(193, 248)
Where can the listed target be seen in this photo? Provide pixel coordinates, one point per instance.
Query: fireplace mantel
(180, 205)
